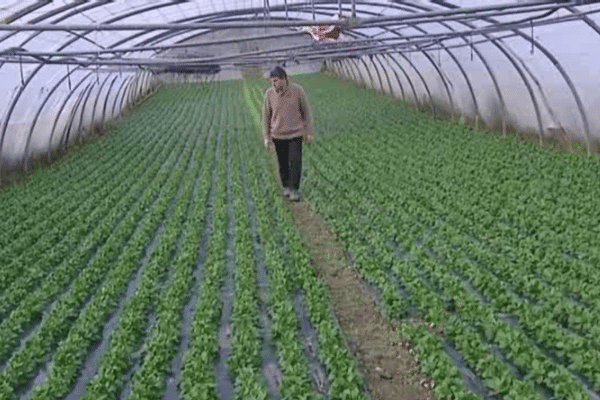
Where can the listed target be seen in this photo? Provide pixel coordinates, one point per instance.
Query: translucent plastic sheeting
(538, 84)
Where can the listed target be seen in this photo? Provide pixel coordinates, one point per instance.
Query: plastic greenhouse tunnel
(388, 199)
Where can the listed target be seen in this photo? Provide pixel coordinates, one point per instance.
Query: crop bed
(161, 262)
(490, 243)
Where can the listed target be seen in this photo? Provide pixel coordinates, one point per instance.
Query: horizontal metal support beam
(167, 26)
(459, 17)
(125, 50)
(467, 11)
(404, 43)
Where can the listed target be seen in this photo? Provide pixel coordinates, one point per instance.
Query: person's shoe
(287, 192)
(294, 195)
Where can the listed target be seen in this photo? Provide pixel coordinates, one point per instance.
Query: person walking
(286, 123)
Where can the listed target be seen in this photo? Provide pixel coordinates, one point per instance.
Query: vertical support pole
(21, 69)
(532, 38)
(286, 10)
(353, 8)
(340, 8)
(69, 77)
(471, 47)
(312, 5)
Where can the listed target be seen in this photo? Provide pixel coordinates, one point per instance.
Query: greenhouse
(299, 200)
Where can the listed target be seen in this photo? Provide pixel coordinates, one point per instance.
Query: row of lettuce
(491, 240)
(106, 258)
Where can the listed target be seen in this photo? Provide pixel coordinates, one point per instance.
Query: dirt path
(390, 370)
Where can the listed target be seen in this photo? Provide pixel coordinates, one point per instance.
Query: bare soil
(390, 370)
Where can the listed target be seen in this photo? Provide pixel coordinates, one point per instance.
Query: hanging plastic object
(324, 33)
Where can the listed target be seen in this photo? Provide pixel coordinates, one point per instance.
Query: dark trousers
(289, 155)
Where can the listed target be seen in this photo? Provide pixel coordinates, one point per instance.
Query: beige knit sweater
(286, 115)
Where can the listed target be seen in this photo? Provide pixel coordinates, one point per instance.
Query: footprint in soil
(311, 348)
(319, 378)
(225, 334)
(273, 375)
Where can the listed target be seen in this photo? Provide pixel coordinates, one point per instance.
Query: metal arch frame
(342, 66)
(556, 64)
(142, 83)
(82, 36)
(426, 86)
(517, 68)
(472, 11)
(385, 72)
(170, 34)
(57, 117)
(534, 101)
(49, 14)
(106, 98)
(366, 69)
(30, 77)
(63, 106)
(117, 94)
(127, 94)
(361, 60)
(407, 59)
(362, 79)
(418, 72)
(125, 97)
(64, 140)
(397, 77)
(370, 56)
(209, 17)
(29, 9)
(94, 107)
(350, 72)
(138, 88)
(98, 97)
(443, 78)
(145, 82)
(137, 92)
(31, 37)
(38, 113)
(463, 72)
(175, 28)
(67, 43)
(346, 68)
(53, 13)
(434, 63)
(83, 107)
(410, 82)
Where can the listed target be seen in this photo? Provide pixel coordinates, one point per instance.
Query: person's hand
(269, 145)
(308, 138)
